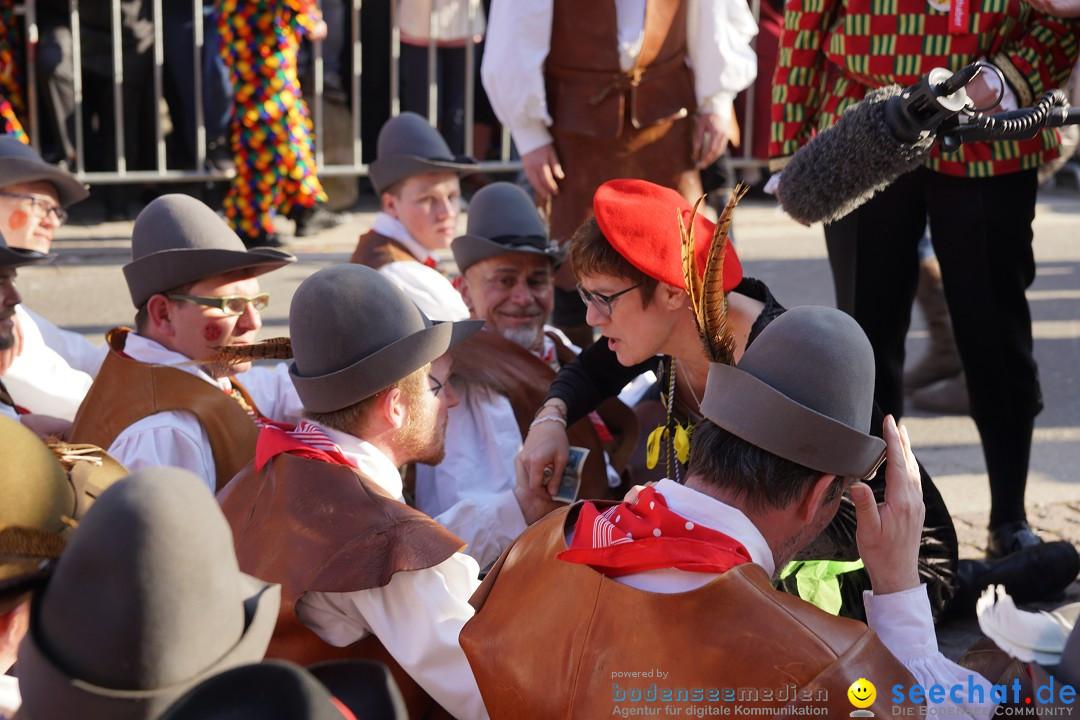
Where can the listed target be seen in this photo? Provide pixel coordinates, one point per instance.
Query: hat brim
(345, 387)
(164, 270)
(17, 257)
(20, 170)
(471, 249)
(49, 692)
(787, 428)
(385, 172)
(366, 687)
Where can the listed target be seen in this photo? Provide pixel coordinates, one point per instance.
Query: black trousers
(981, 230)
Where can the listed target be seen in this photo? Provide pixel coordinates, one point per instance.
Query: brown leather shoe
(948, 397)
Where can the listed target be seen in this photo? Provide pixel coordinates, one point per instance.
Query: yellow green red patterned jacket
(832, 52)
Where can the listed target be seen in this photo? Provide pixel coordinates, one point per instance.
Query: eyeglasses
(41, 208)
(228, 304)
(602, 303)
(436, 386)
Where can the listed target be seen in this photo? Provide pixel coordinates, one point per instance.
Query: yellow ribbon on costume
(652, 446)
(682, 443)
(656, 438)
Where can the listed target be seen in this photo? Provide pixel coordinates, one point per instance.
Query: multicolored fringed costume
(271, 128)
(11, 100)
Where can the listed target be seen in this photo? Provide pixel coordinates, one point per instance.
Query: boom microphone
(875, 141)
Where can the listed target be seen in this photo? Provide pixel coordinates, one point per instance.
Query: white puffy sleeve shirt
(417, 616)
(718, 36)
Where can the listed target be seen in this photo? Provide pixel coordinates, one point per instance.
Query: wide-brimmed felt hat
(178, 240)
(20, 163)
(39, 502)
(640, 220)
(17, 257)
(277, 689)
(408, 146)
(803, 390)
(146, 602)
(355, 333)
(502, 219)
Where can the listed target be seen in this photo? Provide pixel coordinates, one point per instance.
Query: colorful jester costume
(11, 100)
(271, 127)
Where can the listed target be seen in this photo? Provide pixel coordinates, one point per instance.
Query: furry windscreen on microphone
(846, 165)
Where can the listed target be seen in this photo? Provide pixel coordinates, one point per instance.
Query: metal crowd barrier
(315, 99)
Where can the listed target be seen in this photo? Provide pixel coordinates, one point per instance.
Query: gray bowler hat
(355, 333)
(408, 146)
(17, 257)
(20, 163)
(502, 219)
(146, 601)
(178, 240)
(803, 390)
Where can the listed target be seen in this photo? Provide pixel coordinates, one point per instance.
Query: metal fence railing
(160, 170)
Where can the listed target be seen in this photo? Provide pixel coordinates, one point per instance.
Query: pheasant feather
(229, 356)
(707, 297)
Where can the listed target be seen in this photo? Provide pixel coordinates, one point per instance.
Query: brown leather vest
(375, 251)
(126, 391)
(588, 92)
(318, 527)
(490, 359)
(552, 639)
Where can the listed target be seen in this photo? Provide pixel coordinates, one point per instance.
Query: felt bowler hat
(803, 390)
(502, 219)
(146, 602)
(408, 146)
(178, 240)
(280, 690)
(44, 488)
(355, 333)
(20, 163)
(17, 257)
(640, 220)
(38, 502)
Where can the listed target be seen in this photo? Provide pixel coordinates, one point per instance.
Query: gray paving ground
(85, 292)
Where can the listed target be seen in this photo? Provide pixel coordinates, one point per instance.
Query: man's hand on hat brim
(889, 534)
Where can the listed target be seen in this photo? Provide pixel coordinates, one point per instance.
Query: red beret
(638, 219)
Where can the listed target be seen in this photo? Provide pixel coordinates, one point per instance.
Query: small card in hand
(570, 482)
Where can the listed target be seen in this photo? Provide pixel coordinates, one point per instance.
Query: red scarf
(646, 535)
(305, 440)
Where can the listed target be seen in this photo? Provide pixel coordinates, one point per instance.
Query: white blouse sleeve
(905, 626)
(517, 44)
(417, 616)
(718, 37)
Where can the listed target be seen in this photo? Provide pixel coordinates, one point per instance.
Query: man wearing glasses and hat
(418, 183)
(47, 368)
(785, 433)
(502, 375)
(321, 509)
(158, 399)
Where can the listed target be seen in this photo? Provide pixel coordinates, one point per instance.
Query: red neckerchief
(305, 440)
(430, 262)
(646, 535)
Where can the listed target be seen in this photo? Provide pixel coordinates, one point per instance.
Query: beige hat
(803, 390)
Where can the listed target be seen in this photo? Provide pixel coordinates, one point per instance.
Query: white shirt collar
(711, 513)
(149, 351)
(391, 227)
(372, 462)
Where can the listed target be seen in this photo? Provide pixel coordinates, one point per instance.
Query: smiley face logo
(862, 693)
